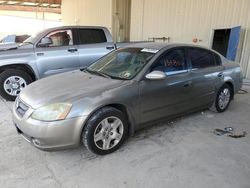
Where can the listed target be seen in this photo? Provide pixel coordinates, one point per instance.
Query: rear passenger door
(92, 44)
(205, 72)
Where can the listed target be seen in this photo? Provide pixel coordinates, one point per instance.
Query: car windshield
(123, 64)
(32, 37)
(29, 40)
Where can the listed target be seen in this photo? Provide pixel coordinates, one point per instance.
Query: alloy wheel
(108, 133)
(224, 98)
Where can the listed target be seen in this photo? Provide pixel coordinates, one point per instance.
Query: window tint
(201, 58)
(61, 38)
(91, 36)
(171, 63)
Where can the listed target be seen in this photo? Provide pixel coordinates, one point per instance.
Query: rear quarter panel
(232, 73)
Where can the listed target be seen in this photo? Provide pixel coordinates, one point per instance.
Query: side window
(217, 59)
(172, 62)
(91, 36)
(201, 58)
(61, 38)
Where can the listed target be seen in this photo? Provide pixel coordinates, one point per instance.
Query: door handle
(110, 47)
(220, 75)
(72, 50)
(40, 54)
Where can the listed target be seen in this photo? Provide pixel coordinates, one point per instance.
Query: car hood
(66, 87)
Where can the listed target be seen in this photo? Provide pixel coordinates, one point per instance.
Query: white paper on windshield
(149, 50)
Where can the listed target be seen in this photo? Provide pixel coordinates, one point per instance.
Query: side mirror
(45, 42)
(156, 75)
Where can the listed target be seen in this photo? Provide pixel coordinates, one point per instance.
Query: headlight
(52, 112)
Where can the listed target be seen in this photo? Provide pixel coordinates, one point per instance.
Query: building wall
(181, 20)
(87, 12)
(34, 15)
(184, 20)
(20, 22)
(121, 20)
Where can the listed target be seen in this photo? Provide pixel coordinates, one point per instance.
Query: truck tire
(12, 81)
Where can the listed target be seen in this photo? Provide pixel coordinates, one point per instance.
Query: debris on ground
(242, 91)
(210, 116)
(229, 131)
(220, 132)
(243, 134)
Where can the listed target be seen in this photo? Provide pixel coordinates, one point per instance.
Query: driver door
(169, 96)
(60, 56)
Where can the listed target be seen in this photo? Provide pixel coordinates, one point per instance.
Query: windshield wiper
(85, 69)
(118, 78)
(96, 72)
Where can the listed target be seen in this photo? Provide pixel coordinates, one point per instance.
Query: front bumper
(50, 135)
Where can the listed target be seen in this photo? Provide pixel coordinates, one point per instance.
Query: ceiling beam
(30, 8)
(53, 6)
(38, 1)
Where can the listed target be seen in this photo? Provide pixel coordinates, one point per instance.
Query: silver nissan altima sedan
(124, 91)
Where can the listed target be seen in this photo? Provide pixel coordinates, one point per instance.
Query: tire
(223, 99)
(10, 77)
(100, 129)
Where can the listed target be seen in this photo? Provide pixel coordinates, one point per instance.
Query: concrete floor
(183, 153)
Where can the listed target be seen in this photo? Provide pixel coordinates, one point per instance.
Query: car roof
(150, 45)
(75, 27)
(159, 46)
(69, 27)
(51, 29)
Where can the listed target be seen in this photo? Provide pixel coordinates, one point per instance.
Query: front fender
(14, 58)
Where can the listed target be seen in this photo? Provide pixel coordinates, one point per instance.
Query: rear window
(91, 36)
(201, 58)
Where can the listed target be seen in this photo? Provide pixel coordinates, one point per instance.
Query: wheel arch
(23, 67)
(123, 108)
(230, 83)
(128, 114)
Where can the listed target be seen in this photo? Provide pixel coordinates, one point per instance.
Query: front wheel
(223, 99)
(105, 131)
(12, 81)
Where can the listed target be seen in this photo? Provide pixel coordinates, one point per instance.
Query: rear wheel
(12, 82)
(223, 99)
(105, 131)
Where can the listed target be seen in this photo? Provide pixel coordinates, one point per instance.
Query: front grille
(21, 108)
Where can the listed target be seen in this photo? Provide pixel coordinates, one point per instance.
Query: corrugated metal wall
(121, 20)
(183, 20)
(87, 12)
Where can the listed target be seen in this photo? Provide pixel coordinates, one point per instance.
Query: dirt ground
(182, 153)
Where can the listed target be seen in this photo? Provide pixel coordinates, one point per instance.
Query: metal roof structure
(53, 6)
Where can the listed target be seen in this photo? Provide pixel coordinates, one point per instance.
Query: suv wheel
(12, 81)
(105, 131)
